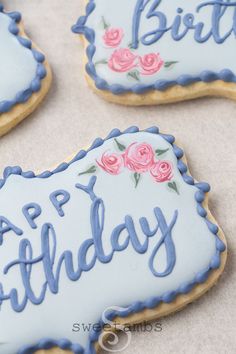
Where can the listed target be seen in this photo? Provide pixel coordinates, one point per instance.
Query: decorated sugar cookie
(25, 75)
(121, 230)
(141, 52)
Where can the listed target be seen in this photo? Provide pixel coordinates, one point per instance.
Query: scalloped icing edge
(175, 93)
(19, 111)
(151, 308)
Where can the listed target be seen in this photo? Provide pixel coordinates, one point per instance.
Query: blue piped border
(160, 85)
(152, 302)
(35, 86)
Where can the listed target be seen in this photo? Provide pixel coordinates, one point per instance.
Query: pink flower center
(164, 166)
(112, 159)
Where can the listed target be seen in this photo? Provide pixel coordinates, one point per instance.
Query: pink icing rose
(122, 60)
(139, 157)
(161, 171)
(111, 163)
(113, 37)
(150, 63)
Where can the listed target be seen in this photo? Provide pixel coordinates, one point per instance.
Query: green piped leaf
(103, 61)
(160, 152)
(120, 146)
(104, 23)
(130, 45)
(168, 64)
(173, 186)
(137, 178)
(134, 74)
(92, 169)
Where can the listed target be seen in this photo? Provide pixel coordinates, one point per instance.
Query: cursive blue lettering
(94, 246)
(182, 23)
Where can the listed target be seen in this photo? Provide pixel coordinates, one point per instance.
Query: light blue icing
(26, 248)
(219, 7)
(35, 86)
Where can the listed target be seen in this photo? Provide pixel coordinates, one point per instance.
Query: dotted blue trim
(160, 85)
(35, 86)
(202, 189)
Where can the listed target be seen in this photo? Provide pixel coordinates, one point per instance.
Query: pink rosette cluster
(122, 60)
(113, 37)
(138, 158)
(111, 163)
(161, 171)
(150, 63)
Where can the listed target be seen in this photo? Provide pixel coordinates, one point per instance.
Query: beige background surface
(72, 116)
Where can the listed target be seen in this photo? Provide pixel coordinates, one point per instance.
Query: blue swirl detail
(160, 85)
(151, 302)
(35, 86)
